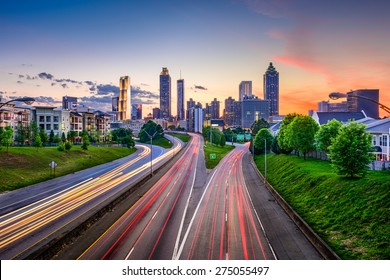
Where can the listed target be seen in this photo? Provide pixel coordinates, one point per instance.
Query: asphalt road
(37, 214)
(225, 224)
(152, 227)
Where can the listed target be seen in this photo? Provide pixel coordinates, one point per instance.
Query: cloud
(64, 85)
(200, 87)
(104, 89)
(137, 92)
(45, 76)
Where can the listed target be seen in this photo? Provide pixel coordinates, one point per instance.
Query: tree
(275, 146)
(63, 138)
(68, 145)
(56, 138)
(259, 124)
(7, 136)
(150, 128)
(216, 135)
(222, 141)
(350, 150)
(229, 135)
(51, 136)
(262, 136)
(43, 135)
(300, 134)
(34, 130)
(282, 137)
(37, 141)
(86, 142)
(326, 134)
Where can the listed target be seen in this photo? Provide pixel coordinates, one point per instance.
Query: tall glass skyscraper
(271, 89)
(244, 89)
(124, 102)
(180, 99)
(165, 94)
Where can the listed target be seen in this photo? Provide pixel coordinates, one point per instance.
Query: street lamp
(265, 159)
(27, 100)
(151, 151)
(337, 95)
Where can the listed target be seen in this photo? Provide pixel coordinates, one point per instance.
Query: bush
(61, 147)
(68, 145)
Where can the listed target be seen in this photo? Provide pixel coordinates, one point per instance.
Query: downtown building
(124, 100)
(364, 100)
(253, 109)
(271, 89)
(165, 94)
(180, 100)
(244, 89)
(228, 115)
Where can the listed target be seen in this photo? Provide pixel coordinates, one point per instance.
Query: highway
(225, 224)
(151, 228)
(31, 221)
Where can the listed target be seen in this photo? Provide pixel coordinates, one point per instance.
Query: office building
(195, 120)
(271, 89)
(114, 103)
(214, 109)
(244, 89)
(180, 99)
(156, 113)
(237, 118)
(124, 101)
(253, 109)
(165, 94)
(68, 102)
(229, 111)
(136, 111)
(325, 106)
(364, 99)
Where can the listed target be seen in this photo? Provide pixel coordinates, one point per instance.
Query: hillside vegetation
(23, 166)
(351, 215)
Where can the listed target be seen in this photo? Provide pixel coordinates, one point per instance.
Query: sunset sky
(51, 48)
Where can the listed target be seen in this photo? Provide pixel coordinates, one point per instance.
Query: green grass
(218, 151)
(162, 142)
(182, 137)
(23, 166)
(351, 215)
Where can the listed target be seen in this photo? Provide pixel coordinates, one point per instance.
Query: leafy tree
(129, 141)
(7, 136)
(34, 130)
(56, 138)
(86, 142)
(68, 136)
(275, 146)
(238, 130)
(300, 134)
(262, 136)
(282, 137)
(259, 124)
(216, 135)
(350, 150)
(63, 138)
(22, 134)
(172, 127)
(51, 136)
(37, 141)
(61, 147)
(73, 135)
(222, 141)
(229, 135)
(68, 145)
(326, 133)
(43, 135)
(150, 128)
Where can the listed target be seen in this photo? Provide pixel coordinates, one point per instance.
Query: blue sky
(317, 47)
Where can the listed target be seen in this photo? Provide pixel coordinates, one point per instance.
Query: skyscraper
(271, 89)
(124, 102)
(229, 111)
(180, 99)
(244, 89)
(165, 94)
(356, 102)
(214, 109)
(253, 109)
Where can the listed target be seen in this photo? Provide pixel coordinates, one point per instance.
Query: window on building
(55, 126)
(41, 118)
(42, 126)
(48, 126)
(374, 140)
(48, 118)
(55, 119)
(384, 140)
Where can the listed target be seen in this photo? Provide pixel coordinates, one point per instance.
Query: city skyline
(71, 48)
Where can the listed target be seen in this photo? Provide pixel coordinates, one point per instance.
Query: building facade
(357, 101)
(124, 100)
(325, 106)
(136, 111)
(180, 100)
(237, 117)
(244, 89)
(165, 94)
(195, 120)
(52, 118)
(229, 111)
(68, 102)
(271, 89)
(253, 109)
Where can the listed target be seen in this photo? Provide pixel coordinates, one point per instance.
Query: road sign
(213, 156)
(52, 164)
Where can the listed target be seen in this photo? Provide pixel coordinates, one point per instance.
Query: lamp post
(151, 151)
(27, 100)
(265, 159)
(337, 95)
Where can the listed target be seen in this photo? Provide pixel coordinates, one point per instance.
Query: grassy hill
(351, 215)
(23, 166)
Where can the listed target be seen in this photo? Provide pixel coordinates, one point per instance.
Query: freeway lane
(30, 227)
(138, 234)
(225, 224)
